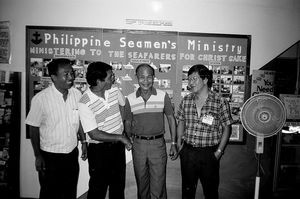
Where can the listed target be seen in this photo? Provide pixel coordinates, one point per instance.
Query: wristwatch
(220, 151)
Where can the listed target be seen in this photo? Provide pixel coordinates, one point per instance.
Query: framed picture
(292, 106)
(236, 133)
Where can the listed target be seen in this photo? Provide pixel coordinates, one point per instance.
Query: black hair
(55, 64)
(203, 72)
(97, 71)
(144, 65)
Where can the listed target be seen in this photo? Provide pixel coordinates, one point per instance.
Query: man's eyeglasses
(194, 78)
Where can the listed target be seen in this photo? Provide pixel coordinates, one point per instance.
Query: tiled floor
(230, 187)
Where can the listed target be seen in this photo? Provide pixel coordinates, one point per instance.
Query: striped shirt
(104, 114)
(58, 120)
(148, 116)
(206, 129)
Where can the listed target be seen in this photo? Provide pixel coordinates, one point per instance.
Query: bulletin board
(170, 53)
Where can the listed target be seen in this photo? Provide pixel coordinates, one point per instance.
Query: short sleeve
(180, 111)
(87, 118)
(35, 115)
(226, 118)
(168, 109)
(127, 111)
(121, 98)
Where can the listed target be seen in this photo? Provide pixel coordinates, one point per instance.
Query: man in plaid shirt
(204, 128)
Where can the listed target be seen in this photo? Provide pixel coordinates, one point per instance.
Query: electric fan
(262, 115)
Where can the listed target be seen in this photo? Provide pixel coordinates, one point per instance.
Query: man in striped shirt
(145, 110)
(54, 127)
(100, 115)
(204, 127)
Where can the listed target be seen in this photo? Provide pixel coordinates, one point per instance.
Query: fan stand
(260, 111)
(259, 150)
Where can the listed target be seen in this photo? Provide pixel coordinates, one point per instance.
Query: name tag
(208, 119)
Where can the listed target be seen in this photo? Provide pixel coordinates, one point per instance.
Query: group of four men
(105, 121)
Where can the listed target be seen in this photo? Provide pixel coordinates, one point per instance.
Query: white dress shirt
(58, 120)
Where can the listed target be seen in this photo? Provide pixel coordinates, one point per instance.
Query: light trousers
(149, 161)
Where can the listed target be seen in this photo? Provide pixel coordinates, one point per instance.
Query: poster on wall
(262, 82)
(5, 52)
(169, 53)
(292, 106)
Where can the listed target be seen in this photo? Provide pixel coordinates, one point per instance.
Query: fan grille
(263, 115)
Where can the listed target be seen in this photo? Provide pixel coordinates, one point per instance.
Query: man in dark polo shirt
(144, 123)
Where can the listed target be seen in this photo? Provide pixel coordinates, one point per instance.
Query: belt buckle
(138, 136)
(151, 137)
(146, 137)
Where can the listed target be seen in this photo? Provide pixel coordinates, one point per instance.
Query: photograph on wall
(5, 49)
(237, 133)
(292, 106)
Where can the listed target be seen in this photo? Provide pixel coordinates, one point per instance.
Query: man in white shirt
(54, 131)
(101, 118)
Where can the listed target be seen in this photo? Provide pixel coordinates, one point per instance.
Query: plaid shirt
(206, 129)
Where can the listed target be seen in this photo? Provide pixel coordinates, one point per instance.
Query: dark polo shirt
(148, 122)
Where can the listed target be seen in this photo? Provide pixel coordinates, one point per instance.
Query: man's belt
(142, 137)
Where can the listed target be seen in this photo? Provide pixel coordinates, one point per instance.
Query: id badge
(208, 119)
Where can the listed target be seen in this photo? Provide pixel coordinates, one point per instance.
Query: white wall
(273, 24)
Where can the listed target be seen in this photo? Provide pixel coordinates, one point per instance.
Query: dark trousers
(199, 163)
(59, 179)
(107, 169)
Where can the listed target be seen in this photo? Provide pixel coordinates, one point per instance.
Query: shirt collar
(54, 89)
(209, 96)
(139, 92)
(95, 97)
